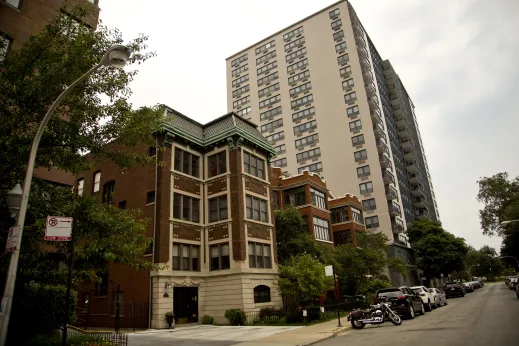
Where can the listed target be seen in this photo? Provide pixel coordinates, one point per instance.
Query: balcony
(357, 30)
(368, 77)
(401, 121)
(360, 42)
(398, 113)
(403, 132)
(365, 64)
(406, 143)
(373, 103)
(395, 100)
(409, 155)
(394, 209)
(417, 190)
(388, 177)
(376, 116)
(422, 214)
(397, 227)
(391, 193)
(363, 54)
(419, 202)
(379, 131)
(382, 147)
(385, 162)
(371, 90)
(414, 178)
(411, 166)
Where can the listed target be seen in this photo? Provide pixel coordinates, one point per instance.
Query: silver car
(439, 297)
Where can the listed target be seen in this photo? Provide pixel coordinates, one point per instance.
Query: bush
(44, 305)
(207, 319)
(236, 317)
(294, 317)
(269, 311)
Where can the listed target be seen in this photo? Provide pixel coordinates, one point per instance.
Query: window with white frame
(305, 113)
(239, 70)
(298, 77)
(305, 127)
(297, 66)
(80, 186)
(253, 165)
(290, 34)
(363, 171)
(272, 125)
(239, 60)
(265, 47)
(355, 125)
(309, 154)
(350, 97)
(366, 187)
(218, 209)
(238, 81)
(256, 209)
(318, 198)
(348, 84)
(267, 79)
(372, 222)
(309, 140)
(275, 137)
(357, 140)
(352, 111)
(340, 47)
(97, 181)
(243, 112)
(316, 168)
(270, 113)
(321, 229)
(259, 255)
(361, 155)
(356, 215)
(279, 163)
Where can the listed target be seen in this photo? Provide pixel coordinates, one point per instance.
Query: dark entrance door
(185, 304)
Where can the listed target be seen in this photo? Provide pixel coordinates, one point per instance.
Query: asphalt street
(487, 317)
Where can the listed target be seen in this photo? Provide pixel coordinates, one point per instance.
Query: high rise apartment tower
(328, 103)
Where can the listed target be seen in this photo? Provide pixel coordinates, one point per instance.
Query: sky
(457, 59)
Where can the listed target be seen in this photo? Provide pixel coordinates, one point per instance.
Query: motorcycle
(375, 314)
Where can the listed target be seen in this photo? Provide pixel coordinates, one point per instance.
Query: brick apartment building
(19, 19)
(212, 205)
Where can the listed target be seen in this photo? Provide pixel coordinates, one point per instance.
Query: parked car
(513, 282)
(403, 300)
(517, 290)
(468, 286)
(453, 289)
(426, 297)
(476, 284)
(439, 297)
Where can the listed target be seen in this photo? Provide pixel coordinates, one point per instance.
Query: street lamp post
(508, 221)
(513, 258)
(116, 56)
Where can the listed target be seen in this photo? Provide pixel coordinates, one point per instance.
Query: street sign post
(58, 228)
(12, 239)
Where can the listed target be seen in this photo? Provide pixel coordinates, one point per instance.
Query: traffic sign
(58, 228)
(12, 239)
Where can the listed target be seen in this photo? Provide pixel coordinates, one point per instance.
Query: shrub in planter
(236, 317)
(207, 319)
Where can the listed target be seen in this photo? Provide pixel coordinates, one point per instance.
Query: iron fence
(116, 339)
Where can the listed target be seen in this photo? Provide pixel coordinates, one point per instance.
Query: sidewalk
(303, 336)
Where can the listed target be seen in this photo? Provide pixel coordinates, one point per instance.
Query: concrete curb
(334, 334)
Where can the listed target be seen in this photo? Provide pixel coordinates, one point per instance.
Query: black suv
(454, 289)
(403, 300)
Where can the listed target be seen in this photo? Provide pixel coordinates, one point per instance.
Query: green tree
(489, 263)
(97, 117)
(500, 197)
(438, 251)
(292, 235)
(364, 267)
(302, 280)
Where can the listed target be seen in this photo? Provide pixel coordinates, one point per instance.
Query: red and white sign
(12, 239)
(58, 228)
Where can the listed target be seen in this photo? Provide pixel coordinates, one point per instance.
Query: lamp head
(117, 56)
(14, 200)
